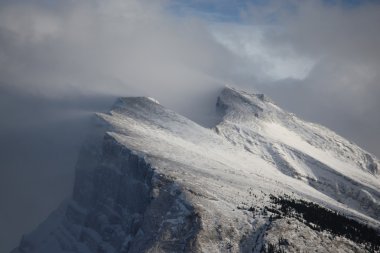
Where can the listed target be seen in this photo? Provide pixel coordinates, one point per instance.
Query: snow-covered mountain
(262, 180)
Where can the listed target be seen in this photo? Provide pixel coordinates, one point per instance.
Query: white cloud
(262, 60)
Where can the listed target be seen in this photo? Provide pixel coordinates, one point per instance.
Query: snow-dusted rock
(151, 180)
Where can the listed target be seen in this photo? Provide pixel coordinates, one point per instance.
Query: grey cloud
(60, 62)
(317, 59)
(106, 48)
(342, 89)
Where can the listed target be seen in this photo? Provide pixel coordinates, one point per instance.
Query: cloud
(106, 48)
(60, 62)
(342, 84)
(319, 59)
(258, 60)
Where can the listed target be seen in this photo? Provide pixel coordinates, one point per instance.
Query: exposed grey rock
(151, 180)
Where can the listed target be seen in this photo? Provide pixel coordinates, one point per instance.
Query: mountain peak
(239, 105)
(238, 92)
(156, 181)
(124, 102)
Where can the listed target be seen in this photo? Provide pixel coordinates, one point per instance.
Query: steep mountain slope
(302, 150)
(151, 180)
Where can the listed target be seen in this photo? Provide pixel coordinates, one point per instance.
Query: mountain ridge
(151, 180)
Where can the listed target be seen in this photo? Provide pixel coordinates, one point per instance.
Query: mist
(61, 61)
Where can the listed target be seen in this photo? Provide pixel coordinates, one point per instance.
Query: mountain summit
(262, 180)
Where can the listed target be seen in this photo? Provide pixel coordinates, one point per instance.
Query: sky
(61, 61)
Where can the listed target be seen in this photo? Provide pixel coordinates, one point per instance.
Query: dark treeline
(320, 218)
(273, 248)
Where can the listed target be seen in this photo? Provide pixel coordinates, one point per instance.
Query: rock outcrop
(151, 180)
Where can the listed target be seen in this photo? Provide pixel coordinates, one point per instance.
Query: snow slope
(151, 180)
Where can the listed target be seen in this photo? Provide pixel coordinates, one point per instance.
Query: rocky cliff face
(150, 180)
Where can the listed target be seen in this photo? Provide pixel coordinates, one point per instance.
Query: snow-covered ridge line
(151, 180)
(301, 150)
(255, 110)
